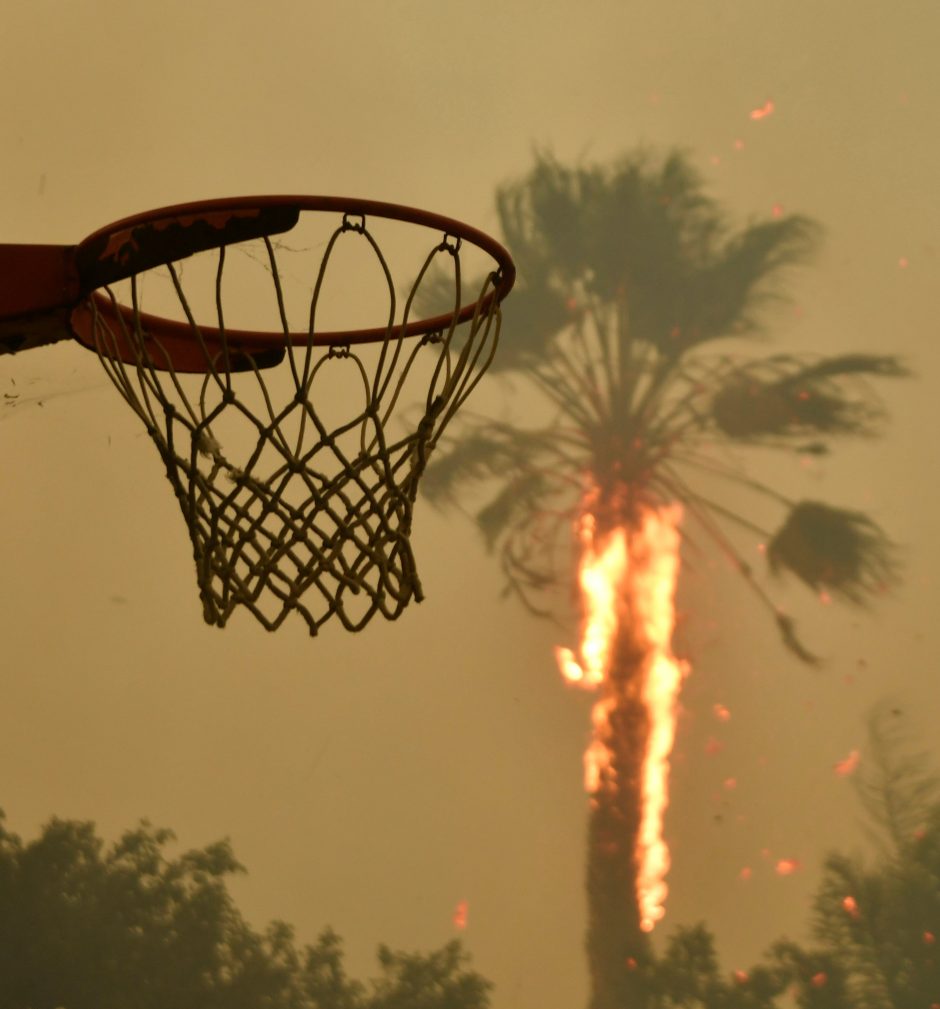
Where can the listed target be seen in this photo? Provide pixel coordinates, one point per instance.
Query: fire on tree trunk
(627, 578)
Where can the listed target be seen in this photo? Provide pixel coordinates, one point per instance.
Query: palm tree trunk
(617, 947)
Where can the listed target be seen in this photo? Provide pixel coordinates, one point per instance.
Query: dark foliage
(83, 926)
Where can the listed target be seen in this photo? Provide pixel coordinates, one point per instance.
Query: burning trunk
(627, 575)
(617, 945)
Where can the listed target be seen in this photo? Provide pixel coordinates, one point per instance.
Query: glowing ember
(787, 866)
(848, 764)
(929, 938)
(818, 980)
(460, 915)
(850, 905)
(721, 713)
(745, 874)
(763, 111)
(627, 580)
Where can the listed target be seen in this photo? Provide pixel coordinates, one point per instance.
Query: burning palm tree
(632, 283)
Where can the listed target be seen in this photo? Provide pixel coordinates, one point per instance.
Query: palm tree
(632, 281)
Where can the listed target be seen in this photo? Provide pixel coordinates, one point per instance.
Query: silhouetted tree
(88, 927)
(629, 278)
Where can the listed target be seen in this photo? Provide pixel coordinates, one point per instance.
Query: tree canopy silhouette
(85, 926)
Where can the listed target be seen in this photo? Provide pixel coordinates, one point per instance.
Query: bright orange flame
(630, 574)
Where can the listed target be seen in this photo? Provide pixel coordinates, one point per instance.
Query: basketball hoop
(295, 511)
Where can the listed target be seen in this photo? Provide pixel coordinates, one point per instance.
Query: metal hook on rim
(349, 226)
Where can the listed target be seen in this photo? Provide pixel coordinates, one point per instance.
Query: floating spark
(787, 866)
(627, 580)
(850, 906)
(460, 915)
(763, 111)
(848, 764)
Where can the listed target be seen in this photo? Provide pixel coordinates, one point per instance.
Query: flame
(630, 574)
(460, 914)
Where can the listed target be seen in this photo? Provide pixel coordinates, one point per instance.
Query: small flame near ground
(632, 571)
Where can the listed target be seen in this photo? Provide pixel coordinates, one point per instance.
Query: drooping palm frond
(786, 397)
(791, 640)
(835, 550)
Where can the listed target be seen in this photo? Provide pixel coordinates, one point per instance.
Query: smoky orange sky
(372, 782)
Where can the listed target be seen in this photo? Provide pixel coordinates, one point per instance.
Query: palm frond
(791, 640)
(786, 397)
(744, 275)
(835, 550)
(482, 452)
(517, 501)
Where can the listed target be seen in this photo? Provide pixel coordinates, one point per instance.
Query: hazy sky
(371, 782)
